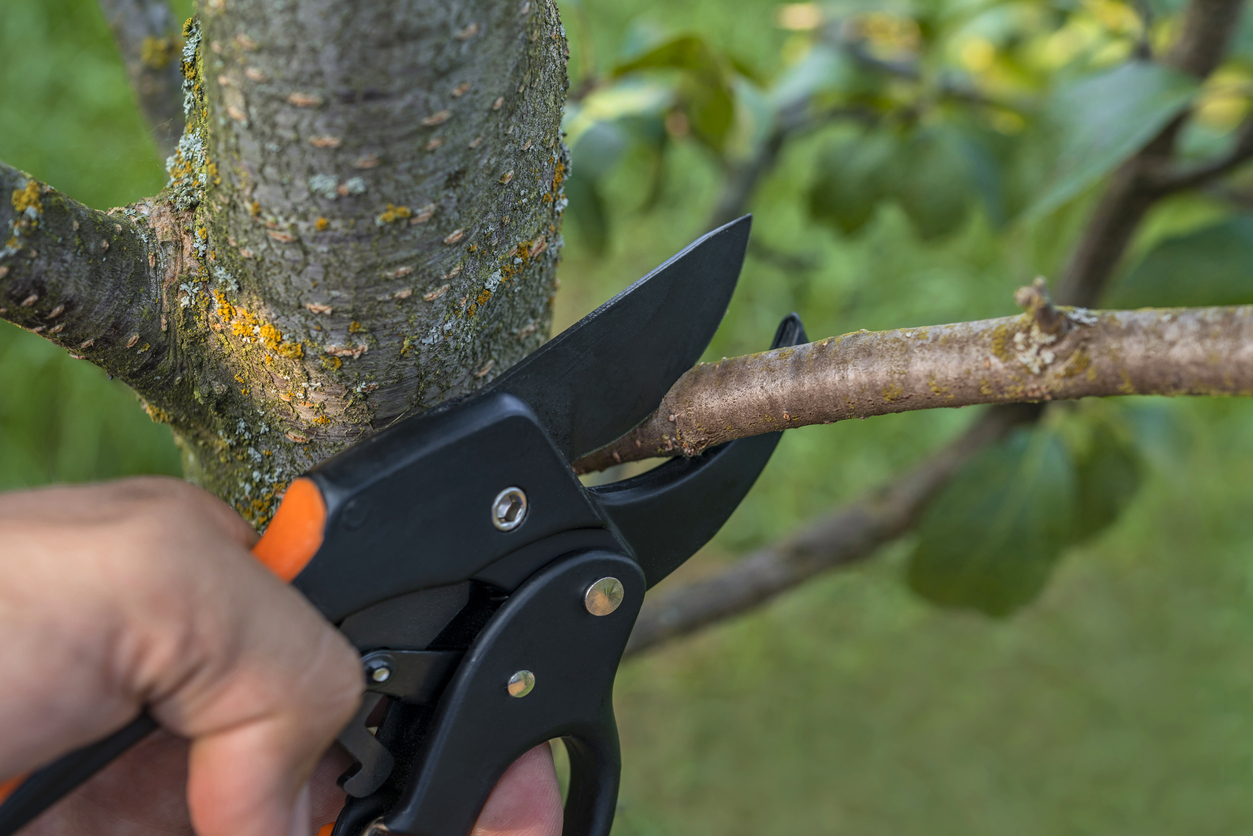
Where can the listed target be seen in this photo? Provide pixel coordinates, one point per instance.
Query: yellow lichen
(355, 327)
(27, 198)
(1078, 364)
(1000, 337)
(394, 213)
(331, 362)
(892, 392)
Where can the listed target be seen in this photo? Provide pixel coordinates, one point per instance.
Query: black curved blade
(606, 373)
(672, 510)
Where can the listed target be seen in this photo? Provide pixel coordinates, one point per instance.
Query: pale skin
(143, 592)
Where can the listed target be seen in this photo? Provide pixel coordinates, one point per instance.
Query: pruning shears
(489, 592)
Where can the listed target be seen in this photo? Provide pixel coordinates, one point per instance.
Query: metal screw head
(509, 509)
(379, 668)
(521, 684)
(604, 596)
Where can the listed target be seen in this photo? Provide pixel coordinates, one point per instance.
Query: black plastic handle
(49, 785)
(595, 771)
(545, 634)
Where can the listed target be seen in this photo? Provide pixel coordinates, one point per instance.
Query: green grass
(1122, 703)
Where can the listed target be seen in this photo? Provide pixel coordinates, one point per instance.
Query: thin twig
(1200, 175)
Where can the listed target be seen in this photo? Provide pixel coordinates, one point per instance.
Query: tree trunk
(363, 219)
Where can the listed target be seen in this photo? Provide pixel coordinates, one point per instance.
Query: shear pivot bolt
(509, 509)
(604, 596)
(379, 668)
(521, 684)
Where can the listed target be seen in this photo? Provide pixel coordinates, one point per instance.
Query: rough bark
(363, 219)
(148, 40)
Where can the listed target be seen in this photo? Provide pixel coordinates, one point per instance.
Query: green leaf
(991, 538)
(706, 89)
(1109, 473)
(1209, 266)
(821, 70)
(1104, 119)
(853, 176)
(934, 184)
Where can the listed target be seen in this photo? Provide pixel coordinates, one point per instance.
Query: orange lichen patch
(521, 256)
(393, 213)
(254, 209)
(479, 301)
(355, 328)
(245, 324)
(321, 224)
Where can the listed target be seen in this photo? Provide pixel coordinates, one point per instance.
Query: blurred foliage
(939, 154)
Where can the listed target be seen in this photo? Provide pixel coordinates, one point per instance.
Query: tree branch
(851, 534)
(148, 38)
(1184, 351)
(1200, 175)
(89, 281)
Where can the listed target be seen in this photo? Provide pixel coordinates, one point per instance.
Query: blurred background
(919, 161)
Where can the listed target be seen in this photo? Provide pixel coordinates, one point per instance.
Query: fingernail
(302, 815)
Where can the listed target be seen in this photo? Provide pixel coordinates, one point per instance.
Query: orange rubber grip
(295, 533)
(7, 787)
(326, 830)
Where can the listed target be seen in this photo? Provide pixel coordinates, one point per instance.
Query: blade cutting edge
(603, 375)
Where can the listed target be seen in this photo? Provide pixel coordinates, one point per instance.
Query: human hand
(143, 592)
